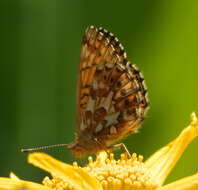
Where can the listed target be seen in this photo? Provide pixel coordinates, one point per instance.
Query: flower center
(122, 174)
(125, 173)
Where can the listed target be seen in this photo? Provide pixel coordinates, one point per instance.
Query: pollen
(124, 173)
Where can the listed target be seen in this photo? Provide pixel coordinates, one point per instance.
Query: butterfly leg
(119, 146)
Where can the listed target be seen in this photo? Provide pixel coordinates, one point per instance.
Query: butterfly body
(111, 94)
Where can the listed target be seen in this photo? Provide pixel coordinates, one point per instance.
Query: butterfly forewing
(111, 93)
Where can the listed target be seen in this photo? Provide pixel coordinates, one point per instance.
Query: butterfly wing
(111, 92)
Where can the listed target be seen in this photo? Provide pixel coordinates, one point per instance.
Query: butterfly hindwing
(111, 91)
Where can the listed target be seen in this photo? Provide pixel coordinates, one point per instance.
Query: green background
(40, 46)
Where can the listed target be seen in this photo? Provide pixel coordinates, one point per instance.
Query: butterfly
(111, 94)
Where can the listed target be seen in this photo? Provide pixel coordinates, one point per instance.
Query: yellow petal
(187, 183)
(11, 184)
(161, 163)
(74, 176)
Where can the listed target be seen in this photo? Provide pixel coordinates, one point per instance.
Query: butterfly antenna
(43, 147)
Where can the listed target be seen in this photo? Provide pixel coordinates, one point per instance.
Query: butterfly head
(77, 149)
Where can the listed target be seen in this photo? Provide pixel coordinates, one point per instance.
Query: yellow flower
(107, 173)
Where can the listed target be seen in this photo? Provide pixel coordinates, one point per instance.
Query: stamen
(56, 183)
(122, 174)
(75, 164)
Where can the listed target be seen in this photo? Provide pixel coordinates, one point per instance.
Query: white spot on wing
(113, 130)
(83, 126)
(98, 128)
(95, 85)
(112, 118)
(140, 112)
(136, 85)
(90, 105)
(139, 97)
(106, 101)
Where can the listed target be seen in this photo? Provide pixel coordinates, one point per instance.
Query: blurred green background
(40, 46)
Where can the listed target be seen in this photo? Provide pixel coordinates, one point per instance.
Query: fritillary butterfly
(111, 94)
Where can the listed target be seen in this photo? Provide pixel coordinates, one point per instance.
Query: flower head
(107, 173)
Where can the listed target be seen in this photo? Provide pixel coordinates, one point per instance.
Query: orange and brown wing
(111, 92)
